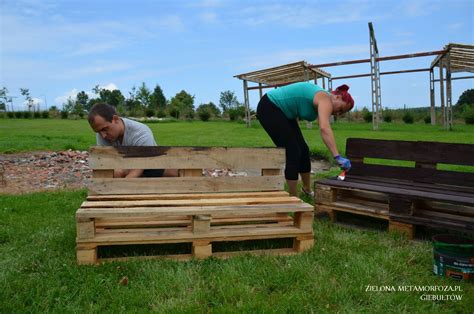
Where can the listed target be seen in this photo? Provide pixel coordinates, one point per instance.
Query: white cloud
(72, 94)
(110, 87)
(60, 100)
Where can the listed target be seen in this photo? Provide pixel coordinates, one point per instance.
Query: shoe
(310, 193)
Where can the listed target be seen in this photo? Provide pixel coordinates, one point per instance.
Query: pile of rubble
(40, 171)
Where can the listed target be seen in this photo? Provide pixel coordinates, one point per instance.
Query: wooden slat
(186, 158)
(195, 202)
(185, 184)
(403, 191)
(234, 210)
(186, 236)
(428, 152)
(184, 196)
(459, 180)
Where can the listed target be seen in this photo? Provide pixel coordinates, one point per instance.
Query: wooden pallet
(200, 219)
(332, 200)
(193, 209)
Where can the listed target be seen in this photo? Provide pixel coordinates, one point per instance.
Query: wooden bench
(191, 208)
(418, 192)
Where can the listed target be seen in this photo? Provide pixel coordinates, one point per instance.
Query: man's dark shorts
(153, 173)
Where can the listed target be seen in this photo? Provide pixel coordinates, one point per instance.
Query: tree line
(140, 102)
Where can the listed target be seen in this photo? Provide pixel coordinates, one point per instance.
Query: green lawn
(38, 271)
(17, 135)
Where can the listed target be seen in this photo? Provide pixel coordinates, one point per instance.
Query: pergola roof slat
(292, 72)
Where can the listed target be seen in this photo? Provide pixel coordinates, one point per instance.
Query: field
(348, 270)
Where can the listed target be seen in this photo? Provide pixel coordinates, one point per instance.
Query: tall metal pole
(449, 103)
(432, 98)
(375, 79)
(246, 104)
(441, 90)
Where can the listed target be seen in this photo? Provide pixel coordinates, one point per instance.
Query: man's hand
(344, 163)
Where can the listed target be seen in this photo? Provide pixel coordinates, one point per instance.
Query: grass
(38, 272)
(22, 135)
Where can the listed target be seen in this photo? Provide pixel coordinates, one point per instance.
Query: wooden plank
(375, 187)
(102, 173)
(86, 256)
(304, 220)
(271, 172)
(190, 172)
(403, 228)
(149, 221)
(201, 249)
(423, 175)
(186, 158)
(234, 210)
(201, 224)
(188, 236)
(195, 202)
(188, 184)
(85, 229)
(449, 153)
(137, 197)
(303, 243)
(351, 208)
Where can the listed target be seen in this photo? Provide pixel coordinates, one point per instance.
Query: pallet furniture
(420, 191)
(192, 209)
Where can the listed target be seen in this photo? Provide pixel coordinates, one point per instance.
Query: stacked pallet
(413, 190)
(201, 211)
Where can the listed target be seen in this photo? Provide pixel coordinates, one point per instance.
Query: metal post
(375, 80)
(260, 91)
(432, 98)
(246, 99)
(449, 103)
(441, 90)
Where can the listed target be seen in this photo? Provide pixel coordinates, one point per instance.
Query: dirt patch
(43, 171)
(46, 171)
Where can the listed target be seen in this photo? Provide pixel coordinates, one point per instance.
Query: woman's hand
(344, 163)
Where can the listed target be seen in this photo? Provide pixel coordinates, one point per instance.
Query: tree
(158, 99)
(144, 95)
(29, 101)
(3, 98)
(465, 101)
(228, 100)
(181, 104)
(83, 99)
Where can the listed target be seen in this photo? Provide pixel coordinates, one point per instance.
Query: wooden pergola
(279, 76)
(456, 58)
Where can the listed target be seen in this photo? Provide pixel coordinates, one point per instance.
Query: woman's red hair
(342, 90)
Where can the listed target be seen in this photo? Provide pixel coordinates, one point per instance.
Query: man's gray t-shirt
(135, 134)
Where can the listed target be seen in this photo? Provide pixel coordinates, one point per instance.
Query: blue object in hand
(344, 163)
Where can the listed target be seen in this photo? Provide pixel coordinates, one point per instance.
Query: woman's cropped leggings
(285, 133)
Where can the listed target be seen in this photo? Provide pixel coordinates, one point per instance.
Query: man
(112, 130)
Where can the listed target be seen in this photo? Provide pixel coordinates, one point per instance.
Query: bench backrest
(265, 163)
(426, 160)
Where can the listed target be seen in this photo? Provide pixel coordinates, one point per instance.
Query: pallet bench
(418, 192)
(200, 211)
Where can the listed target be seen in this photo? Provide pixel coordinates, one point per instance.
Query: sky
(58, 48)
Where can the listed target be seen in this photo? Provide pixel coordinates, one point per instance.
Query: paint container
(453, 257)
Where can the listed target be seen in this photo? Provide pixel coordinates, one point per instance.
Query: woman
(279, 110)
